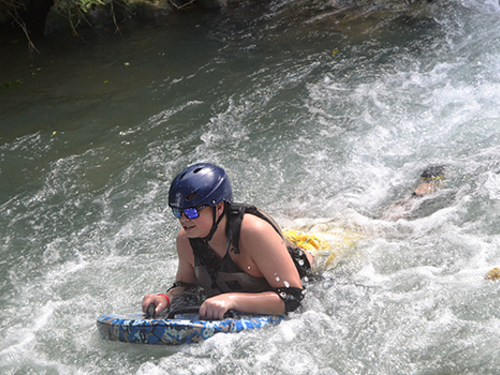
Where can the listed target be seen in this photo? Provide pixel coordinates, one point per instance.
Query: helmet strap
(216, 222)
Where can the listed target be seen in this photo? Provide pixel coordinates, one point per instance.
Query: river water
(324, 114)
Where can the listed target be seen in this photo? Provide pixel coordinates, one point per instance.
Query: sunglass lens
(177, 212)
(191, 213)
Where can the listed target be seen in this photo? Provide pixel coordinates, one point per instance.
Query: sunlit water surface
(324, 115)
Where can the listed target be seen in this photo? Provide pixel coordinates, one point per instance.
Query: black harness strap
(235, 217)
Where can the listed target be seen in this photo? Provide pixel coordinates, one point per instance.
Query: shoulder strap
(203, 255)
(235, 217)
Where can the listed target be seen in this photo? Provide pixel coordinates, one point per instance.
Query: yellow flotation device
(325, 247)
(309, 242)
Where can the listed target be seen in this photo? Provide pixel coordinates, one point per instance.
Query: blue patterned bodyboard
(183, 329)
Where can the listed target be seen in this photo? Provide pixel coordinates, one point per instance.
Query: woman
(235, 252)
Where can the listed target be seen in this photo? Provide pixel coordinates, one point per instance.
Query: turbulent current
(324, 114)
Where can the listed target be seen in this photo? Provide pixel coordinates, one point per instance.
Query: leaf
(11, 84)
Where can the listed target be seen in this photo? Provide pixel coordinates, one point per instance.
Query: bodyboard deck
(184, 329)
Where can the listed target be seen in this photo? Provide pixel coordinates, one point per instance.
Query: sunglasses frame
(190, 212)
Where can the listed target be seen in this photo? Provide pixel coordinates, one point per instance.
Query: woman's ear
(220, 208)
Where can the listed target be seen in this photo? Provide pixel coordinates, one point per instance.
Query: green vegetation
(34, 17)
(77, 12)
(11, 84)
(81, 7)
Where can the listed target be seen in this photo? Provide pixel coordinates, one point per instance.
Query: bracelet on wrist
(166, 297)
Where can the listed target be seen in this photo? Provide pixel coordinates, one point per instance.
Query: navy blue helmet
(200, 184)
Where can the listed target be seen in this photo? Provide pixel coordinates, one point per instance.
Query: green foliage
(87, 4)
(11, 84)
(65, 6)
(89, 13)
(77, 11)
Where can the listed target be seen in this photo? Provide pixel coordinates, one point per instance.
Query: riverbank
(37, 18)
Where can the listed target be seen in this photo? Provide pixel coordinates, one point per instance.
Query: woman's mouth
(188, 228)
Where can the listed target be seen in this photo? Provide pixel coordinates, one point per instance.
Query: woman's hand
(216, 307)
(160, 303)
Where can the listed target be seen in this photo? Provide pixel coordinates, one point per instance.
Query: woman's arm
(253, 303)
(185, 274)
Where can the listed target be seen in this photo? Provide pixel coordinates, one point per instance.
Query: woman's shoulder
(252, 225)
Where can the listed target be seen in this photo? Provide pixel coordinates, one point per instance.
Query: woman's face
(428, 187)
(199, 227)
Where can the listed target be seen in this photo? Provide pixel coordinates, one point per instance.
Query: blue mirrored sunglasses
(191, 213)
